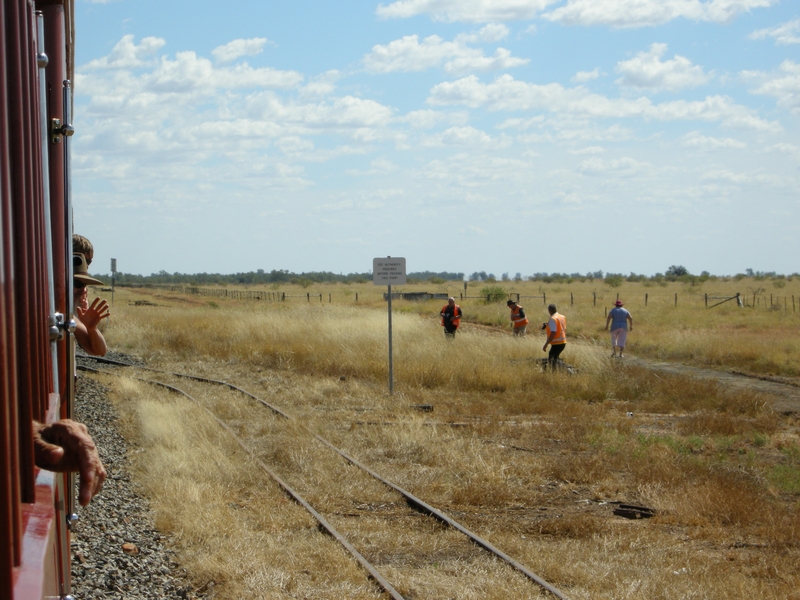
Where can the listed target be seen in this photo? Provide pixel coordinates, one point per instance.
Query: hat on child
(80, 270)
(618, 303)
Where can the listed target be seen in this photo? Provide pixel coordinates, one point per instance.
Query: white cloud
(783, 85)
(584, 76)
(322, 85)
(648, 13)
(408, 54)
(505, 93)
(620, 167)
(701, 142)
(294, 145)
(427, 119)
(238, 48)
(493, 32)
(473, 11)
(464, 136)
(565, 128)
(786, 33)
(647, 71)
(590, 150)
(184, 113)
(127, 55)
(379, 166)
(787, 149)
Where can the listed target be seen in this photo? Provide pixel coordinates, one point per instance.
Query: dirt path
(785, 392)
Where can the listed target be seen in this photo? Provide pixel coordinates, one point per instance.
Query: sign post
(388, 271)
(113, 274)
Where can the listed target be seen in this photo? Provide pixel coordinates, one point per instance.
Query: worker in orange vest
(451, 317)
(518, 318)
(556, 329)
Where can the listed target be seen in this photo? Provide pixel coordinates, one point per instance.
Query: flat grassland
(533, 461)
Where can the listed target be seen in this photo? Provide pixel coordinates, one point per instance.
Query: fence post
(706, 295)
(617, 295)
(676, 299)
(283, 296)
(645, 299)
(605, 311)
(517, 298)
(571, 299)
(770, 300)
(320, 297)
(488, 298)
(594, 299)
(356, 296)
(792, 302)
(544, 298)
(329, 297)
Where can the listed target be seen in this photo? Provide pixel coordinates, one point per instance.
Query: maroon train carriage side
(36, 356)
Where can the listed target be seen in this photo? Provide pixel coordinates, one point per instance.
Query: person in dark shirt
(451, 318)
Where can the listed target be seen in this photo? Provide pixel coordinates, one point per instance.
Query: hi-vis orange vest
(516, 319)
(561, 330)
(456, 315)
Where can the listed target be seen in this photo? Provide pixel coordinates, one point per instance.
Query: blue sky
(464, 135)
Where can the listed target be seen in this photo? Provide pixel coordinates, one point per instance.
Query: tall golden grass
(527, 458)
(763, 338)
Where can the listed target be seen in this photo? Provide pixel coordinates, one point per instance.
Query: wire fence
(753, 300)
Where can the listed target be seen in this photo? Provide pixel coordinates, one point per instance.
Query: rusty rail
(412, 500)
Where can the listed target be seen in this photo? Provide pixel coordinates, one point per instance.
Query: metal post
(391, 371)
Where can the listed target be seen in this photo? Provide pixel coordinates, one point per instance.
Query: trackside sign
(389, 271)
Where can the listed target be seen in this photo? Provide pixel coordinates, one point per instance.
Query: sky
(506, 136)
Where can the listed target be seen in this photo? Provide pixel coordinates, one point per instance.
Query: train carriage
(36, 350)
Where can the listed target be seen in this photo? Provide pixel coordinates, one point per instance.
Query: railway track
(398, 505)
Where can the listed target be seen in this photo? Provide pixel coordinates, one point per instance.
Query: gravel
(116, 550)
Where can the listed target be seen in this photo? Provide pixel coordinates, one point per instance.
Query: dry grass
(527, 459)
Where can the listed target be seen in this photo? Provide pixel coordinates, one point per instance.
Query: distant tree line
(673, 273)
(262, 277)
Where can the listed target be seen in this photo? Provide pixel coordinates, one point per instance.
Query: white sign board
(389, 271)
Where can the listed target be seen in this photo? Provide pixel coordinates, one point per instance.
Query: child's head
(83, 246)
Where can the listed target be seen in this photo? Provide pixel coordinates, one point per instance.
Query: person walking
(451, 318)
(619, 318)
(518, 319)
(556, 329)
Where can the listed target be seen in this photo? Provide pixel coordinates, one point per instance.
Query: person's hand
(92, 316)
(544, 348)
(66, 447)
